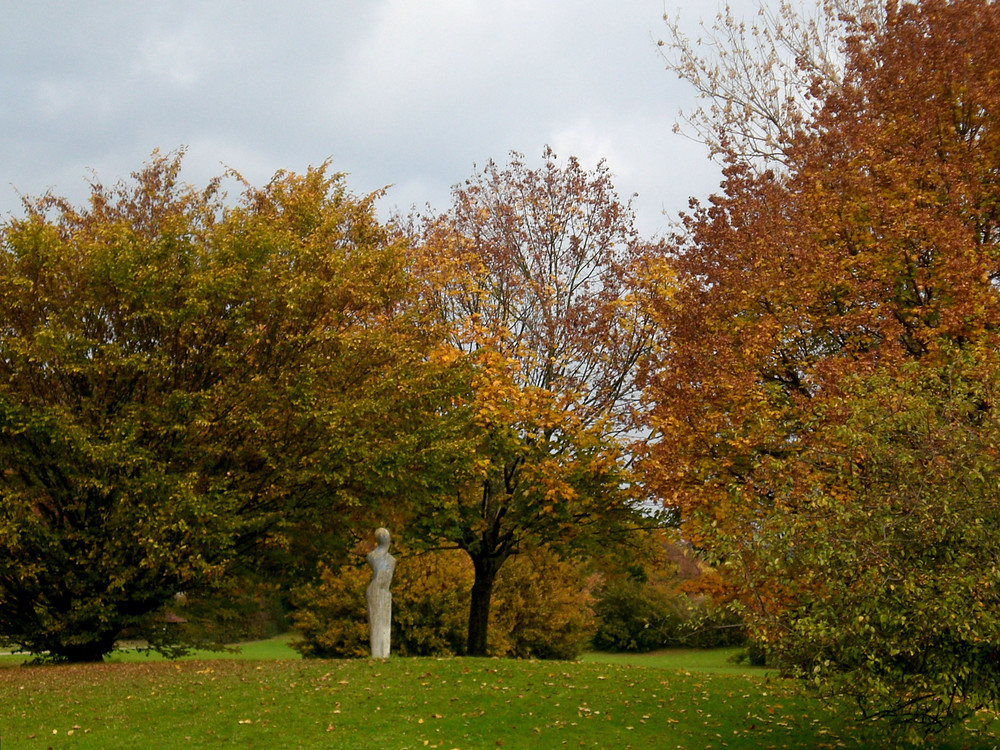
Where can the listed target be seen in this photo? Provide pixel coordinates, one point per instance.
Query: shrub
(637, 614)
(241, 610)
(429, 610)
(332, 615)
(543, 608)
(633, 615)
(430, 604)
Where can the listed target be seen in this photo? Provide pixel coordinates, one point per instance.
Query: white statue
(379, 598)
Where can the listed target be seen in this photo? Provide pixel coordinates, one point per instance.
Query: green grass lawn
(715, 660)
(666, 700)
(273, 648)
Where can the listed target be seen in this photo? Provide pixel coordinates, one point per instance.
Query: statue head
(382, 537)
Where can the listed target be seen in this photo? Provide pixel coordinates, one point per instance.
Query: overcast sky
(409, 93)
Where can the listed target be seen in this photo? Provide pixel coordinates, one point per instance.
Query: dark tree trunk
(486, 568)
(488, 550)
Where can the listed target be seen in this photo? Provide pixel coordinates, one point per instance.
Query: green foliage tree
(529, 274)
(186, 385)
(867, 263)
(890, 530)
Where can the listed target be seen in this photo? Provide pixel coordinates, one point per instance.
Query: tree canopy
(529, 273)
(186, 385)
(762, 79)
(804, 297)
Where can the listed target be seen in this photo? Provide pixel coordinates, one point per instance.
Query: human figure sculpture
(378, 595)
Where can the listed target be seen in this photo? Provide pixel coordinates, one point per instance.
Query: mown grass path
(413, 703)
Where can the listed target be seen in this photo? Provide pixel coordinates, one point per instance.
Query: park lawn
(713, 660)
(416, 703)
(278, 647)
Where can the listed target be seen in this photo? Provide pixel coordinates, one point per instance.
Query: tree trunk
(479, 608)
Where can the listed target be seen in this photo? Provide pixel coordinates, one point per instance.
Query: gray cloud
(407, 92)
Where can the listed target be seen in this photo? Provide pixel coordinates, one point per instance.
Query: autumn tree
(803, 293)
(760, 79)
(187, 386)
(529, 270)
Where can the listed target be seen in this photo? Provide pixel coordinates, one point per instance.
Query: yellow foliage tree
(531, 272)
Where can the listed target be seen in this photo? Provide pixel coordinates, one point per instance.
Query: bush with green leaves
(633, 615)
(643, 615)
(891, 533)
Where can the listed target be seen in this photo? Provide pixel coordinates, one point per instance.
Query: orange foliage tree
(873, 251)
(529, 271)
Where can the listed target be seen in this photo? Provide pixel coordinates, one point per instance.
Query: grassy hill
(266, 698)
